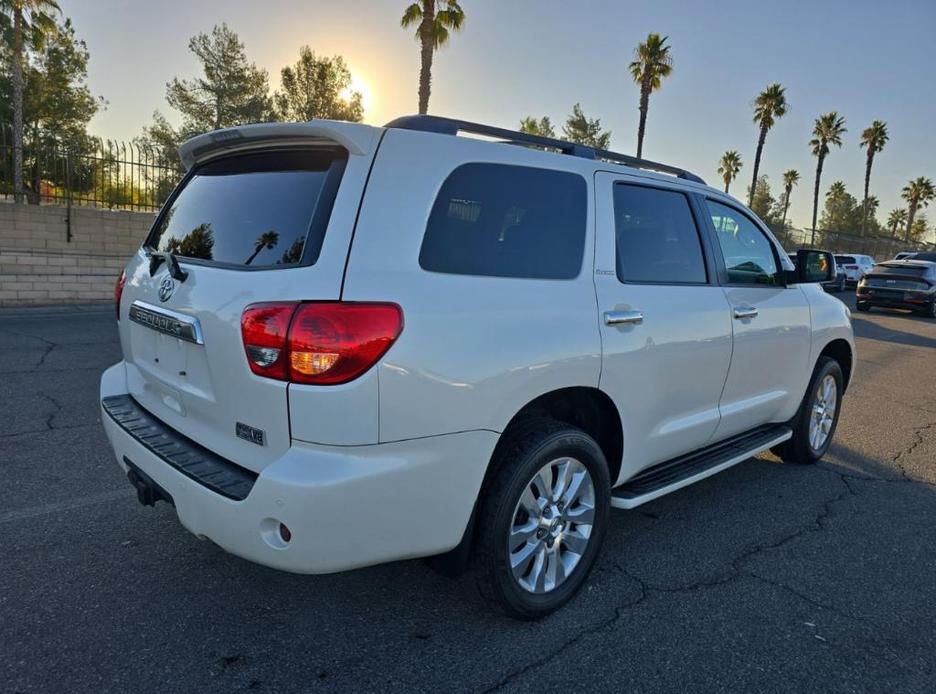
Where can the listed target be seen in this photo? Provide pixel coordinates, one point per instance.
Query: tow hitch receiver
(148, 492)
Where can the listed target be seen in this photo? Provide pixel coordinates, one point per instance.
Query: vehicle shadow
(870, 330)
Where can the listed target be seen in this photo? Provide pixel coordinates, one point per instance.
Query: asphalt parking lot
(767, 577)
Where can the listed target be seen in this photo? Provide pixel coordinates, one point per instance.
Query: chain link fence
(880, 247)
(90, 171)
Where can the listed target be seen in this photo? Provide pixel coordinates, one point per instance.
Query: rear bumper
(345, 506)
(913, 304)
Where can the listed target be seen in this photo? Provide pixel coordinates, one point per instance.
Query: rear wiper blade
(156, 259)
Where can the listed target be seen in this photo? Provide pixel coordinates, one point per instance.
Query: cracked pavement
(766, 577)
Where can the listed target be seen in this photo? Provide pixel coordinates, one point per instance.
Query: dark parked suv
(907, 284)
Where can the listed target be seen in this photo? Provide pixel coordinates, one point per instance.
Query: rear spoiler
(355, 138)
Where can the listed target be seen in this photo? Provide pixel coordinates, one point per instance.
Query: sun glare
(360, 86)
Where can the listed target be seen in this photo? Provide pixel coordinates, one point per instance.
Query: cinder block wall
(38, 265)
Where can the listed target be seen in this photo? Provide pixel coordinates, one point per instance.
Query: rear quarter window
(501, 220)
(258, 210)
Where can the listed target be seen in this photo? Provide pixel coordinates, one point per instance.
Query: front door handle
(742, 312)
(623, 317)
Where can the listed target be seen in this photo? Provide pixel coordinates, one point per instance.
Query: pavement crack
(918, 439)
(574, 639)
(53, 414)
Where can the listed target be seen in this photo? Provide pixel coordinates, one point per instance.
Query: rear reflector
(118, 291)
(318, 343)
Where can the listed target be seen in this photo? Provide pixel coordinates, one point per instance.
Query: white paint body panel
(770, 365)
(474, 350)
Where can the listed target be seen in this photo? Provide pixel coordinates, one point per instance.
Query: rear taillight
(118, 291)
(318, 343)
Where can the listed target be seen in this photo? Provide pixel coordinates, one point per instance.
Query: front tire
(542, 518)
(815, 421)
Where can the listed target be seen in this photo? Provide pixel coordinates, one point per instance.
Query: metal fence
(879, 247)
(89, 171)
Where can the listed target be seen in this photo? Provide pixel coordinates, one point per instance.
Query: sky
(867, 60)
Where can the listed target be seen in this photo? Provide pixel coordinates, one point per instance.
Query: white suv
(855, 266)
(346, 345)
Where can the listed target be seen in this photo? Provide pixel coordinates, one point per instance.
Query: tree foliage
(57, 107)
(729, 166)
(585, 131)
(542, 127)
(230, 91)
(434, 21)
(918, 193)
(317, 87)
(791, 178)
(56, 96)
(827, 131)
(652, 62)
(769, 105)
(763, 202)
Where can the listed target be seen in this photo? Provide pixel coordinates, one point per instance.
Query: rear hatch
(267, 218)
(893, 280)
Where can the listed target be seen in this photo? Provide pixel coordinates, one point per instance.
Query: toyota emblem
(166, 287)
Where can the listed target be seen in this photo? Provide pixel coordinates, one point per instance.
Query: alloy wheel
(825, 401)
(552, 525)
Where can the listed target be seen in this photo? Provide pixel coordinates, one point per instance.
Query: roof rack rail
(452, 126)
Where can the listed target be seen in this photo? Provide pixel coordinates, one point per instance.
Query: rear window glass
(915, 270)
(657, 239)
(266, 209)
(507, 221)
(844, 259)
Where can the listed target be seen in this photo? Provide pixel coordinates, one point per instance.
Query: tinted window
(507, 221)
(748, 255)
(844, 260)
(657, 239)
(258, 210)
(918, 270)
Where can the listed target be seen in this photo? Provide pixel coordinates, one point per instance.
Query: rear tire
(542, 518)
(815, 421)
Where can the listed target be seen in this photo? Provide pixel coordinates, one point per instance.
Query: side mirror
(814, 266)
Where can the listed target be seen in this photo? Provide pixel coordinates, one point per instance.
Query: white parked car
(345, 345)
(855, 266)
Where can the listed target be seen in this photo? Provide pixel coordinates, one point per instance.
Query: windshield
(266, 209)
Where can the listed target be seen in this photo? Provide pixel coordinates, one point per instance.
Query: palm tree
(268, 240)
(896, 218)
(790, 179)
(652, 62)
(434, 19)
(31, 21)
(769, 105)
(828, 130)
(918, 193)
(873, 139)
(729, 166)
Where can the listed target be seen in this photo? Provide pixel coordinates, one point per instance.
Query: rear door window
(845, 260)
(260, 210)
(656, 237)
(507, 221)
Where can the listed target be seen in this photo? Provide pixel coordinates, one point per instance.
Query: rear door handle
(742, 312)
(623, 317)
